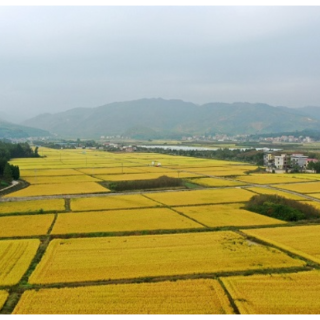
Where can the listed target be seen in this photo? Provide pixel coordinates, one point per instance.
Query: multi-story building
(299, 159)
(282, 162)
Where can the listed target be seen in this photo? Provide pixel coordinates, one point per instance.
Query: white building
(282, 162)
(299, 159)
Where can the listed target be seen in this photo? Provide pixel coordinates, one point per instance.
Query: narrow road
(13, 184)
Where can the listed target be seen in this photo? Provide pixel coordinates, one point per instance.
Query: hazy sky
(57, 58)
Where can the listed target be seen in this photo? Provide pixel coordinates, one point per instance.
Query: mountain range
(11, 130)
(159, 118)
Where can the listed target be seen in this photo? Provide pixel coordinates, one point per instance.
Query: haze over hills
(159, 118)
(11, 130)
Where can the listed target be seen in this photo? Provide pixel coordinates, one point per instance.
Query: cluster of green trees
(248, 155)
(8, 172)
(161, 182)
(281, 208)
(314, 166)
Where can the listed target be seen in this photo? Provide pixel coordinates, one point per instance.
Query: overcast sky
(57, 58)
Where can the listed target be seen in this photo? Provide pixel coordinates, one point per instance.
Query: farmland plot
(204, 296)
(226, 215)
(276, 192)
(294, 293)
(29, 225)
(38, 206)
(112, 202)
(307, 187)
(268, 179)
(122, 220)
(181, 198)
(3, 297)
(84, 259)
(15, 258)
(212, 182)
(302, 240)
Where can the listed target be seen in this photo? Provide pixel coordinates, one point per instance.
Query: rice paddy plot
(294, 293)
(111, 202)
(85, 259)
(306, 176)
(180, 198)
(261, 190)
(49, 172)
(3, 297)
(213, 182)
(60, 179)
(226, 215)
(223, 173)
(59, 189)
(114, 170)
(121, 220)
(268, 179)
(203, 296)
(29, 225)
(301, 240)
(16, 256)
(143, 176)
(307, 187)
(32, 206)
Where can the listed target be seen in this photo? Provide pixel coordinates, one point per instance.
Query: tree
(15, 172)
(314, 166)
(36, 154)
(7, 173)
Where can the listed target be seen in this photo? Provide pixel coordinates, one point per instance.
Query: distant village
(248, 138)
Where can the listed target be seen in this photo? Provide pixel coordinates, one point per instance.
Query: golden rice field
(261, 190)
(160, 252)
(212, 182)
(3, 297)
(61, 179)
(307, 187)
(314, 195)
(203, 296)
(49, 172)
(111, 202)
(58, 189)
(15, 258)
(144, 176)
(302, 240)
(84, 259)
(48, 205)
(121, 220)
(28, 225)
(292, 293)
(180, 198)
(226, 215)
(114, 170)
(226, 167)
(268, 178)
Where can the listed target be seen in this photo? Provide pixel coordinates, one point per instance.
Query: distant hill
(159, 118)
(10, 130)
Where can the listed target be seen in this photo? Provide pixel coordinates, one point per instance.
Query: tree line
(8, 172)
(247, 155)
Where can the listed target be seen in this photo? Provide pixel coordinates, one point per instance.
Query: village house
(286, 162)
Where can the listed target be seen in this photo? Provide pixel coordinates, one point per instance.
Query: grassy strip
(233, 304)
(67, 204)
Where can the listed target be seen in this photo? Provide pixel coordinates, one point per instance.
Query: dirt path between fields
(13, 184)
